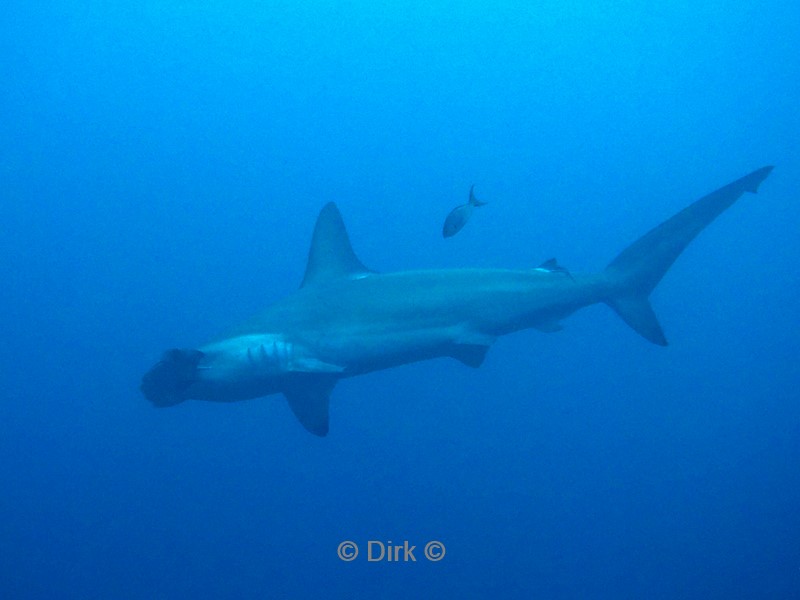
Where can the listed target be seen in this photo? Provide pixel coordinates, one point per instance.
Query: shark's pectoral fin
(309, 398)
(312, 365)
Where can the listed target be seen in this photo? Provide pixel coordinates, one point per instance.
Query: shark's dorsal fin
(331, 256)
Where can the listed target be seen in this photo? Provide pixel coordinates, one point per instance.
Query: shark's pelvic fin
(470, 347)
(471, 355)
(637, 270)
(308, 398)
(331, 256)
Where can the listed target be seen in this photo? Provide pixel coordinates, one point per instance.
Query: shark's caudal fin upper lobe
(638, 269)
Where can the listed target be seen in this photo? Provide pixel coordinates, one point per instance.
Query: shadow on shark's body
(347, 320)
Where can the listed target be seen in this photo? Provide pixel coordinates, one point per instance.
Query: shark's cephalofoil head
(168, 381)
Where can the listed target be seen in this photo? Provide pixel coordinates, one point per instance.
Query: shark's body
(346, 320)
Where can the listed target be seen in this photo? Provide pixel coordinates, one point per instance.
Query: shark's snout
(167, 382)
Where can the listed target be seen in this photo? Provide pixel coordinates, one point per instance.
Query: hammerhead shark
(347, 320)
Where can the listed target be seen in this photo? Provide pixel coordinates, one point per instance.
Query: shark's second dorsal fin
(550, 265)
(331, 256)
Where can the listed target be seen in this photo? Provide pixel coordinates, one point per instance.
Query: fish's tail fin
(473, 200)
(636, 271)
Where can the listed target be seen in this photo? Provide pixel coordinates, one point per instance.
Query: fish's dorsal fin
(331, 256)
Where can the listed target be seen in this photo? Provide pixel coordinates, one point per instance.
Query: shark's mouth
(167, 382)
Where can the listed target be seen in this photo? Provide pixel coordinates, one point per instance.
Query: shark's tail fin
(637, 270)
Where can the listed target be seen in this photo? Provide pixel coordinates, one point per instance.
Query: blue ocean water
(162, 164)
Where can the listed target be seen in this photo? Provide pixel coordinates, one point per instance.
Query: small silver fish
(459, 216)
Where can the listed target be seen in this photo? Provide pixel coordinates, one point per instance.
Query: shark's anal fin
(308, 398)
(549, 326)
